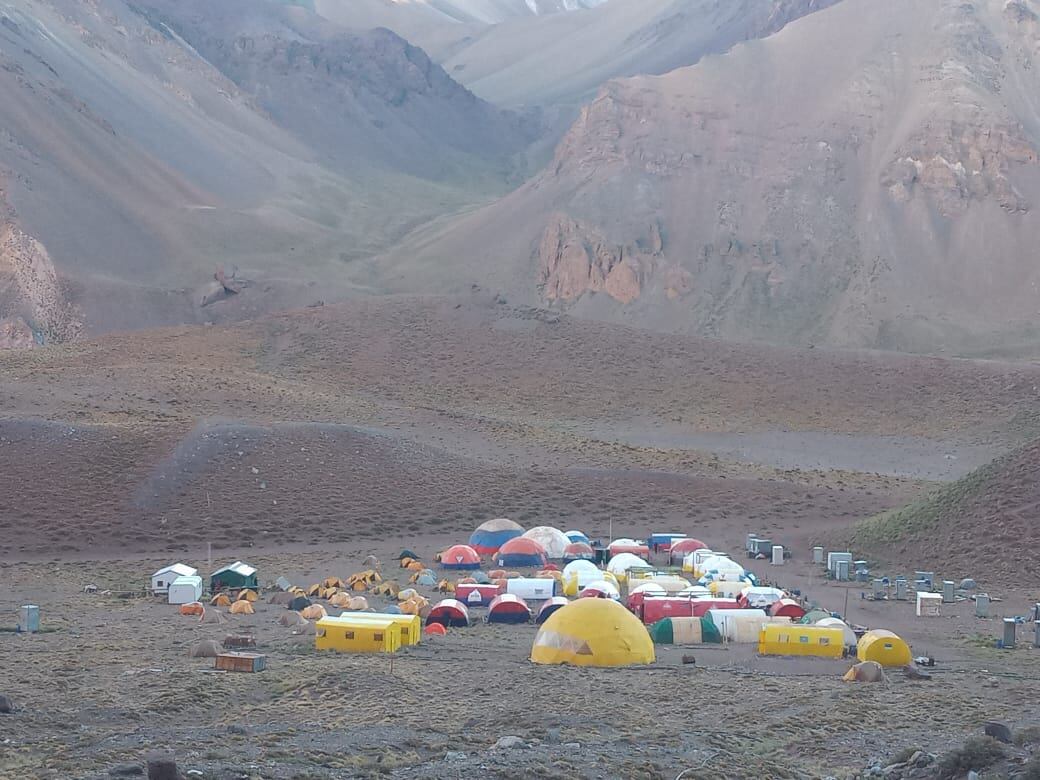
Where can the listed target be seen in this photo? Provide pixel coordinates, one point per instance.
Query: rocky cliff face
(574, 260)
(32, 295)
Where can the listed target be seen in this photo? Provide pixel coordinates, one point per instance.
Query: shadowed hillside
(986, 525)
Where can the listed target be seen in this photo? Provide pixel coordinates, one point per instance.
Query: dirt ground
(306, 441)
(115, 680)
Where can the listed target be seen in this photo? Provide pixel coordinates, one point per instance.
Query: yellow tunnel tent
(796, 639)
(357, 636)
(884, 647)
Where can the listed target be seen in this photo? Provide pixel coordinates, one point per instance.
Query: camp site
(631, 625)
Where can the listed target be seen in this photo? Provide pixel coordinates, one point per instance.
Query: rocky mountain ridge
(878, 193)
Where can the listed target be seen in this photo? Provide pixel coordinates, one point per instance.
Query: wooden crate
(241, 662)
(231, 641)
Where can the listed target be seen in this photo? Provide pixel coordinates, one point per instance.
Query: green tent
(235, 576)
(664, 631)
(709, 631)
(813, 615)
(661, 632)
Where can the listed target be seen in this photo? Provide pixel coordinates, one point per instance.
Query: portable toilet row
(839, 565)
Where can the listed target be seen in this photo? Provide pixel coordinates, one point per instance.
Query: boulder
(999, 731)
(126, 770)
(510, 743)
(207, 648)
(161, 766)
(6, 705)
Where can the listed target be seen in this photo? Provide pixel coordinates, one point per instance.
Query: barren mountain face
(866, 177)
(145, 149)
(565, 58)
(858, 173)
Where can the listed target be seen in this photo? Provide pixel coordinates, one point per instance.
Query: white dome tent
(552, 539)
(622, 562)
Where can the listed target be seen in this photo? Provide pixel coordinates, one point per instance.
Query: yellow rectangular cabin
(357, 636)
(410, 625)
(779, 639)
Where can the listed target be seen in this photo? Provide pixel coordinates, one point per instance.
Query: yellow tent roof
(593, 632)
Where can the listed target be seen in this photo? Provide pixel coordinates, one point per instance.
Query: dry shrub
(1028, 735)
(976, 753)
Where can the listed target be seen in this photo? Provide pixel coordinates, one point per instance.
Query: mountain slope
(565, 58)
(358, 98)
(132, 167)
(864, 178)
(982, 525)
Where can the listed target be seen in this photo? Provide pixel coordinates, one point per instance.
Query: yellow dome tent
(884, 647)
(593, 632)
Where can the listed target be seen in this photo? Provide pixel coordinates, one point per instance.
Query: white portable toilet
(841, 571)
(833, 558)
(817, 555)
(929, 604)
(778, 555)
(982, 605)
(185, 590)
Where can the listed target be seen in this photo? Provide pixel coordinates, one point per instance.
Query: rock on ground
(999, 731)
(161, 766)
(126, 770)
(510, 743)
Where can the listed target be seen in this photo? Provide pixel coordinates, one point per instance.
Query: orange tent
(194, 608)
(242, 608)
(248, 595)
(340, 600)
(220, 600)
(314, 612)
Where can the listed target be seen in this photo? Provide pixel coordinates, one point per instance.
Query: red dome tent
(508, 608)
(449, 612)
(521, 552)
(788, 608)
(460, 556)
(550, 606)
(632, 546)
(683, 547)
(578, 551)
